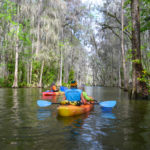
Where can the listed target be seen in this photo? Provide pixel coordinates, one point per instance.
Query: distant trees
(44, 41)
(115, 36)
(31, 33)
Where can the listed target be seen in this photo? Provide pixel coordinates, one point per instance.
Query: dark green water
(25, 126)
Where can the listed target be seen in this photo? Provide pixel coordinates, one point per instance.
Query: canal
(25, 126)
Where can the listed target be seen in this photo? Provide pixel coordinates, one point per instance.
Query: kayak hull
(71, 110)
(52, 93)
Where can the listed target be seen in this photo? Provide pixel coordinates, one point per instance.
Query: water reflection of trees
(139, 124)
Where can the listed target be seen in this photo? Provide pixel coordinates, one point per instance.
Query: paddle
(104, 104)
(107, 105)
(44, 103)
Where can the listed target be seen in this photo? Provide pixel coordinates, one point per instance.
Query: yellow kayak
(71, 110)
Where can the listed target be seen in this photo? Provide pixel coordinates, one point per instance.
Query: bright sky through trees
(92, 1)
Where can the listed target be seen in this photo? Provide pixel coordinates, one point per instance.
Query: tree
(15, 83)
(139, 87)
(122, 47)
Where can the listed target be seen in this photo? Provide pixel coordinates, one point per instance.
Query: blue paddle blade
(109, 104)
(42, 103)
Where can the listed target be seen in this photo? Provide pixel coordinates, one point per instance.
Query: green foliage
(129, 54)
(9, 80)
(144, 13)
(127, 14)
(22, 84)
(8, 10)
(143, 47)
(2, 84)
(61, 44)
(145, 78)
(7, 13)
(22, 74)
(71, 76)
(65, 84)
(126, 3)
(138, 61)
(35, 71)
(49, 75)
(145, 26)
(148, 54)
(24, 32)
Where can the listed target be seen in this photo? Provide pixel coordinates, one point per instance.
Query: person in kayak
(53, 88)
(74, 94)
(88, 98)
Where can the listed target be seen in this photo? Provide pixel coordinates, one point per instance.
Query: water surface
(25, 126)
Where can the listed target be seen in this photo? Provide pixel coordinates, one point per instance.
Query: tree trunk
(66, 74)
(139, 88)
(41, 74)
(2, 60)
(61, 63)
(122, 48)
(112, 71)
(93, 76)
(38, 38)
(30, 76)
(15, 83)
(119, 75)
(28, 72)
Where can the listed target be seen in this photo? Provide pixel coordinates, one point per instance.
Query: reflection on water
(75, 121)
(42, 113)
(24, 125)
(108, 115)
(73, 124)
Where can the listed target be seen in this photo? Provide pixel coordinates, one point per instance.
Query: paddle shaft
(70, 103)
(56, 103)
